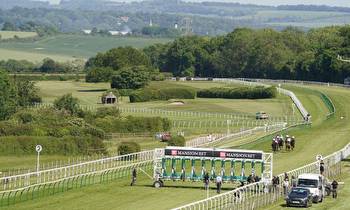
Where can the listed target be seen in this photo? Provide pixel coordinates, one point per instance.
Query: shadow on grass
(186, 187)
(92, 90)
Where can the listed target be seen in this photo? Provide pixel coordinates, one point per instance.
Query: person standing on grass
(285, 184)
(206, 181)
(334, 189)
(294, 181)
(218, 184)
(321, 167)
(133, 179)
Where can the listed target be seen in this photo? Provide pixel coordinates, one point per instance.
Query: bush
(148, 94)
(177, 141)
(238, 93)
(132, 124)
(107, 111)
(69, 103)
(131, 78)
(100, 74)
(128, 147)
(21, 145)
(125, 92)
(25, 117)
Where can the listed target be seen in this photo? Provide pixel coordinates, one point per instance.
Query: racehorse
(274, 145)
(292, 143)
(288, 143)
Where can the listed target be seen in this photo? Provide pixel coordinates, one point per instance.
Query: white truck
(316, 183)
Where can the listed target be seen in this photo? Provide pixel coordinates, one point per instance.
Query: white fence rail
(212, 139)
(299, 82)
(34, 177)
(253, 82)
(259, 194)
(179, 124)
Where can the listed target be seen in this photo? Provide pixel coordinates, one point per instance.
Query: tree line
(263, 53)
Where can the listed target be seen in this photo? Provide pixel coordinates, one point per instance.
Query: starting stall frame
(186, 163)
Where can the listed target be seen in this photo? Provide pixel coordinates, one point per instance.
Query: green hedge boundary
(259, 92)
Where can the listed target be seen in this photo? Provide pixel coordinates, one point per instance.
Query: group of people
(279, 142)
(218, 182)
(287, 184)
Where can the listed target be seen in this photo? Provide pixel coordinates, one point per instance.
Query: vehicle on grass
(261, 116)
(165, 136)
(316, 183)
(299, 196)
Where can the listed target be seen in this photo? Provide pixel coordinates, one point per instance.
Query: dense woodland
(265, 53)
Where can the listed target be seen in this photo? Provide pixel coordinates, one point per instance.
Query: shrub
(107, 111)
(20, 145)
(131, 78)
(238, 93)
(128, 147)
(148, 94)
(132, 124)
(69, 103)
(177, 141)
(99, 74)
(25, 117)
(125, 92)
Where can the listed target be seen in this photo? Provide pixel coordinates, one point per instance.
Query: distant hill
(202, 18)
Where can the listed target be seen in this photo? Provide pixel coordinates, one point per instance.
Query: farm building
(110, 98)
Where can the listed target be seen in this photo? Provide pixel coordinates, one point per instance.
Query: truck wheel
(157, 184)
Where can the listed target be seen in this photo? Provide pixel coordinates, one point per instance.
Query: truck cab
(261, 115)
(315, 183)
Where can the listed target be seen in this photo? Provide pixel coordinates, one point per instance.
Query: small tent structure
(110, 98)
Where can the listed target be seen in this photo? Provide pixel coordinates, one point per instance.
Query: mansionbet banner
(214, 153)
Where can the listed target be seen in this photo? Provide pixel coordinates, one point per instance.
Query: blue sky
(344, 3)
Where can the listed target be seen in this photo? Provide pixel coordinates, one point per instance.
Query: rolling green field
(35, 57)
(68, 47)
(19, 34)
(89, 94)
(309, 19)
(310, 141)
(118, 195)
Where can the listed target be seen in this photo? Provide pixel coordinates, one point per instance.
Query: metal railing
(299, 82)
(212, 139)
(48, 175)
(259, 194)
(256, 82)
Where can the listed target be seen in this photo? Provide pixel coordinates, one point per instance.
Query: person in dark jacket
(334, 189)
(206, 181)
(133, 178)
(321, 167)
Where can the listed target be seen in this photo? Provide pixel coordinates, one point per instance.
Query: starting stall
(191, 164)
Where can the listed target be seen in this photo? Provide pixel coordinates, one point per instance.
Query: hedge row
(148, 94)
(132, 124)
(239, 93)
(19, 145)
(49, 77)
(125, 148)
